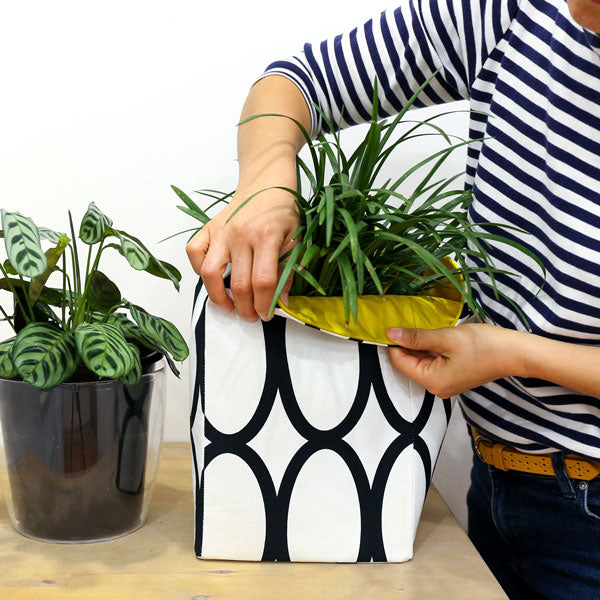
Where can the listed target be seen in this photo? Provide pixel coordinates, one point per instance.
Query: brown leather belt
(507, 458)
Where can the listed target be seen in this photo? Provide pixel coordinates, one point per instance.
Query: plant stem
(87, 264)
(26, 296)
(72, 296)
(113, 309)
(64, 285)
(10, 322)
(82, 304)
(17, 300)
(76, 271)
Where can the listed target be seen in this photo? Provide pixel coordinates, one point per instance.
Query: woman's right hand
(253, 240)
(256, 237)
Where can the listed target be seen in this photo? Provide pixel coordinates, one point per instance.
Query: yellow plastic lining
(376, 315)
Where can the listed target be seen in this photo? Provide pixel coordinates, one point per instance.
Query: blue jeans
(539, 534)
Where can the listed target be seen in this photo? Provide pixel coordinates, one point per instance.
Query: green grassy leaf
(290, 263)
(363, 237)
(306, 275)
(349, 289)
(191, 207)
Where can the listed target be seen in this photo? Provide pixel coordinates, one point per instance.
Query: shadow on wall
(452, 472)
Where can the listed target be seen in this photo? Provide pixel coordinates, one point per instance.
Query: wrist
(509, 351)
(269, 170)
(519, 353)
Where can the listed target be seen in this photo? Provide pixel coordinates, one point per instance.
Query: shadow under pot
(81, 458)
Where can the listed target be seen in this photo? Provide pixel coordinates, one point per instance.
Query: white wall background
(114, 101)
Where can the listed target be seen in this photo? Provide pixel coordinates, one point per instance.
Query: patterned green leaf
(132, 332)
(9, 268)
(134, 376)
(104, 349)
(7, 367)
(22, 241)
(42, 309)
(102, 293)
(44, 355)
(156, 267)
(137, 257)
(50, 295)
(160, 330)
(169, 360)
(51, 235)
(164, 270)
(52, 256)
(93, 225)
(129, 329)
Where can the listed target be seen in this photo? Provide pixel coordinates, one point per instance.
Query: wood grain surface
(157, 562)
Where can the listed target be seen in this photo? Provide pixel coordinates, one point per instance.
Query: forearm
(451, 360)
(264, 228)
(573, 366)
(267, 146)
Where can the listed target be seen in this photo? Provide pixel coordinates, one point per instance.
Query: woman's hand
(252, 241)
(256, 237)
(451, 360)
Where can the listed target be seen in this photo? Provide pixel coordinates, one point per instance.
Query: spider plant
(79, 329)
(358, 237)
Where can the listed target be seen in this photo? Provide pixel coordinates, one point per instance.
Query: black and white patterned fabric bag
(306, 446)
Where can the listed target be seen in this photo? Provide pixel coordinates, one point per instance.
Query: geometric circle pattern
(421, 435)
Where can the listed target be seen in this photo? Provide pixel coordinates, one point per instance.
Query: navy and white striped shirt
(535, 73)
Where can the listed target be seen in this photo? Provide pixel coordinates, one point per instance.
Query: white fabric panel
(236, 384)
(311, 358)
(234, 515)
(398, 509)
(324, 515)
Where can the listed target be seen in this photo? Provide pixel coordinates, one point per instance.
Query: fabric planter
(306, 446)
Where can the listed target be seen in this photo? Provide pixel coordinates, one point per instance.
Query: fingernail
(285, 298)
(395, 334)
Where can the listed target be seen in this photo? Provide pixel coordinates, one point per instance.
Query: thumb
(415, 339)
(197, 248)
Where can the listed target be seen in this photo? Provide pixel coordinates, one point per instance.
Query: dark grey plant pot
(81, 457)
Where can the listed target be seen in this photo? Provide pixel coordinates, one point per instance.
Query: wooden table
(157, 562)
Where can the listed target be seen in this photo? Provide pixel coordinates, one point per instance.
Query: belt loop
(560, 471)
(498, 456)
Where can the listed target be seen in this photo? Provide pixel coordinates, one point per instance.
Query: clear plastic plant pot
(80, 459)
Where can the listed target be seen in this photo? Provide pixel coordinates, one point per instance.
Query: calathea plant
(360, 237)
(78, 328)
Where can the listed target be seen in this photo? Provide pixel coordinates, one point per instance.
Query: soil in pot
(77, 454)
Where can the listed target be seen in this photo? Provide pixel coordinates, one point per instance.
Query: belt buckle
(477, 439)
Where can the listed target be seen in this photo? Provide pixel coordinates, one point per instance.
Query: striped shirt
(535, 73)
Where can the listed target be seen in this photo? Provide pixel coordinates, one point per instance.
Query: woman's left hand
(451, 360)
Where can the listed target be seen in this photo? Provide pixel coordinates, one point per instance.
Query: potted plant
(333, 458)
(81, 381)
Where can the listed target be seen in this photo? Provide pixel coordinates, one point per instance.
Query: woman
(532, 398)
